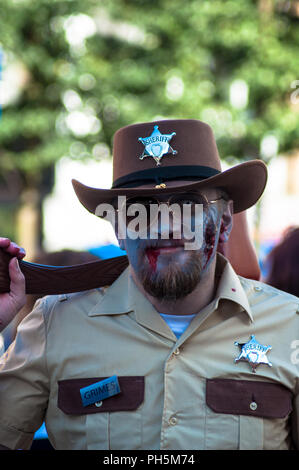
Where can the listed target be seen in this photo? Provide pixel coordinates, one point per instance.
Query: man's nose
(167, 224)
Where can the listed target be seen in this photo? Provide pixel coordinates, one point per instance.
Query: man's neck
(201, 296)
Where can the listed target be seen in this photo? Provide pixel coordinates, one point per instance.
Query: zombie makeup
(165, 268)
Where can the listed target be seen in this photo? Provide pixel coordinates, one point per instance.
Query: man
(179, 352)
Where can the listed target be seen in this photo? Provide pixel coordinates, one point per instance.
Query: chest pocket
(237, 410)
(114, 423)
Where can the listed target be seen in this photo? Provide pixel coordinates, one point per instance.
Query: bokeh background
(74, 71)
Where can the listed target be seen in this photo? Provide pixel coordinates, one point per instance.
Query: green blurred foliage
(140, 60)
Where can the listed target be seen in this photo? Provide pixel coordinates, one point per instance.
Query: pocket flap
(247, 397)
(130, 397)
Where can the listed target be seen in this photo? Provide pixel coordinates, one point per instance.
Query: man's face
(164, 265)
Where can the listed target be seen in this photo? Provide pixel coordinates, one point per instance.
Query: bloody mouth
(152, 253)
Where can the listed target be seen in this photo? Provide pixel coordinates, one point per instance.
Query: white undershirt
(177, 323)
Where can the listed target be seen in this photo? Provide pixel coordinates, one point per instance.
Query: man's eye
(187, 201)
(151, 201)
(190, 201)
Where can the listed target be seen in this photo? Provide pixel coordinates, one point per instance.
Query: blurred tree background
(75, 71)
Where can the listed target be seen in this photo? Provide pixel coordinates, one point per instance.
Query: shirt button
(253, 406)
(176, 352)
(258, 288)
(173, 421)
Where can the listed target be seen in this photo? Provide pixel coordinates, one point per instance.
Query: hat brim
(244, 184)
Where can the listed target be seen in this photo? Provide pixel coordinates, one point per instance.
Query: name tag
(100, 390)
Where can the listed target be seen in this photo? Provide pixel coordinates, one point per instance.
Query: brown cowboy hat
(148, 155)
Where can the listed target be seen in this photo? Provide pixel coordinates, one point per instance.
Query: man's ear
(226, 222)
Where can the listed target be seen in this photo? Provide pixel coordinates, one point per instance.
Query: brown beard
(173, 282)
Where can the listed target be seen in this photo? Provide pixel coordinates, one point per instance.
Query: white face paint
(166, 265)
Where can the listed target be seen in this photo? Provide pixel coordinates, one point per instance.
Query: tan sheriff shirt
(188, 393)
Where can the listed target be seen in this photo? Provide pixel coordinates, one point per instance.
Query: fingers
(12, 248)
(17, 283)
(12, 302)
(4, 242)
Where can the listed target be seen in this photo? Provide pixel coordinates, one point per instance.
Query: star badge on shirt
(157, 145)
(254, 353)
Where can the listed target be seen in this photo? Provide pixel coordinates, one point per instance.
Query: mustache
(159, 243)
(152, 243)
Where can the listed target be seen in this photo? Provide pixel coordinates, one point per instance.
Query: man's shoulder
(76, 302)
(259, 292)
(83, 296)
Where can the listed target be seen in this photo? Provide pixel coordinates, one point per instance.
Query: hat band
(158, 175)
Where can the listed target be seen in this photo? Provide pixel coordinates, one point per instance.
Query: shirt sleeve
(24, 383)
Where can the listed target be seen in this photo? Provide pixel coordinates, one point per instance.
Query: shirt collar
(229, 286)
(115, 298)
(123, 296)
